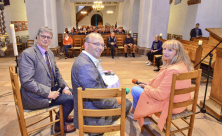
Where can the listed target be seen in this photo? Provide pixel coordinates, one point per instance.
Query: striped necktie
(50, 69)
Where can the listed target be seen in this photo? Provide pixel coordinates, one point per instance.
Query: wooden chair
(169, 36)
(27, 114)
(154, 59)
(30, 43)
(101, 94)
(20, 45)
(135, 37)
(77, 45)
(119, 43)
(194, 88)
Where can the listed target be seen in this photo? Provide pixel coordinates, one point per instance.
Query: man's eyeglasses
(48, 37)
(98, 44)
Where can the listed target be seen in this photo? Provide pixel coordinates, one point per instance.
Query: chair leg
(50, 115)
(191, 125)
(142, 128)
(61, 120)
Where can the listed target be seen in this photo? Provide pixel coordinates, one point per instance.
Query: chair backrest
(60, 38)
(169, 36)
(17, 39)
(77, 42)
(29, 43)
(16, 94)
(89, 93)
(119, 41)
(194, 88)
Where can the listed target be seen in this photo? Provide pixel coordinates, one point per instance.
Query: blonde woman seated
(152, 97)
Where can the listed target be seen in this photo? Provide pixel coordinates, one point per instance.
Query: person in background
(112, 43)
(66, 30)
(72, 32)
(152, 97)
(40, 79)
(67, 43)
(86, 75)
(195, 32)
(129, 43)
(156, 48)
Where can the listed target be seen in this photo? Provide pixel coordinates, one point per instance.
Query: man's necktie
(50, 69)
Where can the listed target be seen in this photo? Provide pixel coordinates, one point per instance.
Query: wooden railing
(80, 16)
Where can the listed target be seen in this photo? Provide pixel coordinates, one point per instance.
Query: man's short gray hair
(92, 34)
(45, 29)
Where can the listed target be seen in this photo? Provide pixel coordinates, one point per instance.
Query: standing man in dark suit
(40, 79)
(86, 75)
(195, 32)
(112, 43)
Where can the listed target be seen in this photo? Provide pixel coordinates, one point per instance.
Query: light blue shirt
(94, 60)
(43, 54)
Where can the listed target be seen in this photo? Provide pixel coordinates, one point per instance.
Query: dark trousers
(158, 61)
(65, 49)
(113, 50)
(150, 55)
(67, 102)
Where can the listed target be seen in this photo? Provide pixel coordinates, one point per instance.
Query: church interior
(20, 21)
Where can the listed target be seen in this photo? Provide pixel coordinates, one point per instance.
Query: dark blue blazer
(193, 32)
(159, 46)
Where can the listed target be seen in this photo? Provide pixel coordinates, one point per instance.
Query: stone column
(126, 14)
(38, 18)
(134, 23)
(73, 14)
(120, 15)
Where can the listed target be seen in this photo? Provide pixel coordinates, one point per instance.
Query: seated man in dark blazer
(40, 79)
(86, 75)
(112, 43)
(195, 32)
(129, 43)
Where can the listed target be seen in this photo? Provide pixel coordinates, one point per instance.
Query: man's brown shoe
(69, 119)
(67, 128)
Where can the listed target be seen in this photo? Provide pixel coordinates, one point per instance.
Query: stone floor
(125, 68)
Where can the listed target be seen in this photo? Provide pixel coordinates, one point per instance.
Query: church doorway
(96, 20)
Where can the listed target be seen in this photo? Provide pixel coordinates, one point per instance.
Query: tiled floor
(125, 68)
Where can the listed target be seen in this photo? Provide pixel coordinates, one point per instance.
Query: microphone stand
(16, 67)
(202, 109)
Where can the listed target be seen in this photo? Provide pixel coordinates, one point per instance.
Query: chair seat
(120, 47)
(77, 48)
(31, 113)
(157, 55)
(182, 114)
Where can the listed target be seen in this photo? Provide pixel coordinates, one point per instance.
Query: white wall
(16, 11)
(120, 14)
(177, 17)
(111, 19)
(209, 15)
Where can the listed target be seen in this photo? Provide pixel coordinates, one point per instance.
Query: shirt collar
(91, 57)
(41, 49)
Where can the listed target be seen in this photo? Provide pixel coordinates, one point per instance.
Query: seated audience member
(129, 43)
(85, 74)
(112, 43)
(67, 43)
(196, 32)
(156, 48)
(72, 32)
(120, 31)
(152, 97)
(40, 79)
(66, 30)
(81, 32)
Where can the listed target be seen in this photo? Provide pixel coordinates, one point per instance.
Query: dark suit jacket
(85, 74)
(159, 46)
(193, 33)
(109, 41)
(35, 78)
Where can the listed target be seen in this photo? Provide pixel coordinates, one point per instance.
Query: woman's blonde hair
(180, 55)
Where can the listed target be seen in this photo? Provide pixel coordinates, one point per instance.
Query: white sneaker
(149, 64)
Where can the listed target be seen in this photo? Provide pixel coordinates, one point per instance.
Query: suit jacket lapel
(90, 61)
(40, 57)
